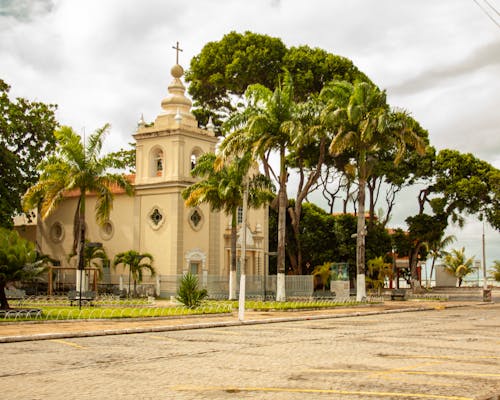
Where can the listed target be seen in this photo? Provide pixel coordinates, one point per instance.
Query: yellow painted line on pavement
(424, 381)
(442, 357)
(225, 332)
(76, 346)
(435, 373)
(307, 390)
(405, 368)
(167, 338)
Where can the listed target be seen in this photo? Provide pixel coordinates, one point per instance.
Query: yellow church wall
(56, 233)
(59, 245)
(164, 159)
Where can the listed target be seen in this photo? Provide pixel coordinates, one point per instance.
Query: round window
(156, 218)
(107, 230)
(56, 232)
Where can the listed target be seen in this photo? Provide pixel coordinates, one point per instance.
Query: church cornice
(197, 133)
(163, 185)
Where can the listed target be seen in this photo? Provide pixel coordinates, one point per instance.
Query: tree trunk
(432, 270)
(81, 247)
(303, 189)
(360, 243)
(76, 228)
(295, 259)
(4, 303)
(232, 270)
(371, 197)
(282, 205)
(414, 281)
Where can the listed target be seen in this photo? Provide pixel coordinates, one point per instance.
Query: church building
(155, 219)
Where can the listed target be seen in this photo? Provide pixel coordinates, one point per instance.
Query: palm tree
(436, 249)
(136, 263)
(222, 188)
(77, 166)
(268, 123)
(363, 124)
(495, 270)
(458, 265)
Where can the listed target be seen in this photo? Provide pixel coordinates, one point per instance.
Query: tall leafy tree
(454, 184)
(77, 166)
(220, 74)
(225, 69)
(268, 124)
(306, 155)
(360, 117)
(136, 263)
(221, 187)
(462, 184)
(26, 137)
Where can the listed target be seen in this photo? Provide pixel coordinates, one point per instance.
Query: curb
(207, 325)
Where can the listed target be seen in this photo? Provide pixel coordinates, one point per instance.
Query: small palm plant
(136, 263)
(94, 257)
(324, 274)
(458, 265)
(188, 293)
(378, 271)
(495, 270)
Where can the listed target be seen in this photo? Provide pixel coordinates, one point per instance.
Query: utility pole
(241, 302)
(486, 293)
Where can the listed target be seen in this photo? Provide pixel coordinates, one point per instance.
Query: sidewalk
(44, 330)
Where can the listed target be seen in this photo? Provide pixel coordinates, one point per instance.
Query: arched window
(195, 154)
(157, 162)
(193, 161)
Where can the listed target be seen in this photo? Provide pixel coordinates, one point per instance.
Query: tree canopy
(223, 70)
(26, 138)
(465, 184)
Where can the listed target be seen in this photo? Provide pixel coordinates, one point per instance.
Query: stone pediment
(250, 240)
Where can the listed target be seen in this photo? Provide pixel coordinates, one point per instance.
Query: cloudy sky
(109, 60)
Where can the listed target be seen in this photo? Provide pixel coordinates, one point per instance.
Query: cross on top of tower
(177, 49)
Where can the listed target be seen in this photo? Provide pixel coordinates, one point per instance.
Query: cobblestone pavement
(445, 353)
(10, 332)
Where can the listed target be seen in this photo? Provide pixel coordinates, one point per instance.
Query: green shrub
(188, 293)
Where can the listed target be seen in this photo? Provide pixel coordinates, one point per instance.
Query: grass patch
(256, 305)
(125, 309)
(51, 313)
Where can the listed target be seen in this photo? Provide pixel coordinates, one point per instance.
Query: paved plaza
(446, 353)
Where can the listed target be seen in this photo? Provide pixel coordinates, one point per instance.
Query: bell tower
(166, 151)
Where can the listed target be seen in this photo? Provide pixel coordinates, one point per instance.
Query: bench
(86, 297)
(15, 294)
(398, 294)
